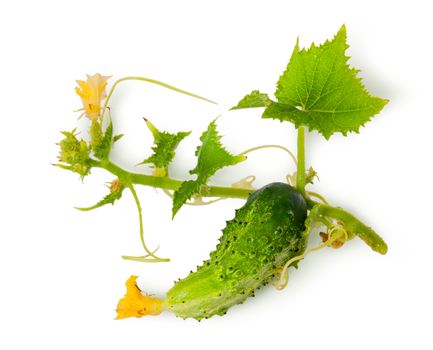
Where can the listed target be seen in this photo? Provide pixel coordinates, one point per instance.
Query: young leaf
(103, 147)
(108, 199)
(212, 156)
(116, 190)
(253, 100)
(184, 193)
(164, 149)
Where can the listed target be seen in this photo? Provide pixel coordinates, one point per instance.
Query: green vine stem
(352, 224)
(169, 183)
(300, 174)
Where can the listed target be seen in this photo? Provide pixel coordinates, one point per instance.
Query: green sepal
(211, 156)
(74, 154)
(96, 134)
(253, 100)
(117, 137)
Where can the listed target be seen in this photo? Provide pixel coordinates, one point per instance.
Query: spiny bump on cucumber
(265, 233)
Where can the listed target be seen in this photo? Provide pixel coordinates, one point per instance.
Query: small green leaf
(253, 100)
(103, 147)
(320, 90)
(212, 156)
(116, 190)
(164, 149)
(184, 193)
(117, 137)
(108, 199)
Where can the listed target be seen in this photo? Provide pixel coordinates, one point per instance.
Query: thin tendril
(246, 182)
(153, 81)
(140, 217)
(167, 192)
(272, 146)
(141, 258)
(318, 196)
(291, 179)
(283, 272)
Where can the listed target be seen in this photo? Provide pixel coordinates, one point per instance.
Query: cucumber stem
(300, 174)
(352, 224)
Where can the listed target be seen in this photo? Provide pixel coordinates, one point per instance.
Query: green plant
(317, 91)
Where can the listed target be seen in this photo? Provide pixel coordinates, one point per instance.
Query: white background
(61, 271)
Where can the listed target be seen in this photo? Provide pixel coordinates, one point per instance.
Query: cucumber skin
(265, 233)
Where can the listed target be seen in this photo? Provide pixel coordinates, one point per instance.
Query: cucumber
(264, 234)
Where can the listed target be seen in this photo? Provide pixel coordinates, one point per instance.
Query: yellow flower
(92, 92)
(136, 304)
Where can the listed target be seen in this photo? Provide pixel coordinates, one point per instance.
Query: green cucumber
(265, 233)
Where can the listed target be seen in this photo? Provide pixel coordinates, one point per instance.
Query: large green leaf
(320, 90)
(253, 100)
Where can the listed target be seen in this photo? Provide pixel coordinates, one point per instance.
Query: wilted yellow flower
(92, 92)
(136, 304)
(116, 185)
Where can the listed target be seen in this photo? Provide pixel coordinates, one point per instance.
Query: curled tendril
(336, 233)
(291, 179)
(292, 156)
(318, 196)
(144, 258)
(197, 200)
(150, 256)
(246, 183)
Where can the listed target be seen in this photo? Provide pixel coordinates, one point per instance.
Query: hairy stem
(300, 174)
(169, 183)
